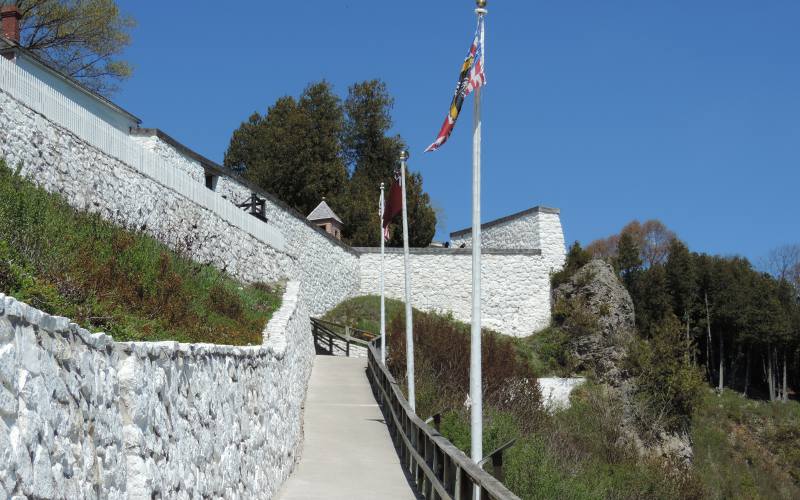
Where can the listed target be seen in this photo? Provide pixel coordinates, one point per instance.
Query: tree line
(319, 145)
(740, 325)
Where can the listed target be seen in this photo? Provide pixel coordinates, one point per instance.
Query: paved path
(347, 451)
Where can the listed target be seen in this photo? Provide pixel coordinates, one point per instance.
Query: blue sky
(684, 111)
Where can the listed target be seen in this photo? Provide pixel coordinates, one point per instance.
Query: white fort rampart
(87, 417)
(82, 414)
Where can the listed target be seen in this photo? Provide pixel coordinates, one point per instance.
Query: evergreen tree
(317, 146)
(627, 262)
(293, 151)
(682, 285)
(373, 157)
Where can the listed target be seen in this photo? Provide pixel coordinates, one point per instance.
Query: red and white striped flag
(471, 77)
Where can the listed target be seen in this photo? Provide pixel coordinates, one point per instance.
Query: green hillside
(105, 278)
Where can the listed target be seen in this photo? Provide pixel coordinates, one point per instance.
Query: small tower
(324, 217)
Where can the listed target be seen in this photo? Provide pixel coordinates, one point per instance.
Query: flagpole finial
(404, 155)
(481, 7)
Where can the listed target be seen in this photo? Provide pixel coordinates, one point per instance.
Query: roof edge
(507, 218)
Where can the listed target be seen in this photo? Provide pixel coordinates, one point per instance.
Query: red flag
(394, 203)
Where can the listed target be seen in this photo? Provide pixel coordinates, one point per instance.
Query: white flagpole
(475, 377)
(409, 324)
(383, 308)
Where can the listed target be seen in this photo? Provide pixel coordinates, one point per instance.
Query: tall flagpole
(383, 308)
(475, 378)
(409, 327)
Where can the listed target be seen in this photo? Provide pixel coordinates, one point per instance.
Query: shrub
(668, 387)
(442, 346)
(577, 257)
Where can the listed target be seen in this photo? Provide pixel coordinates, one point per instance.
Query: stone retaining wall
(91, 180)
(85, 417)
(515, 284)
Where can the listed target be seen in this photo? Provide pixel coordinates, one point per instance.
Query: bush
(577, 257)
(442, 353)
(668, 387)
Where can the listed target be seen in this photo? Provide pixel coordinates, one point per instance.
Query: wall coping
(451, 251)
(274, 343)
(507, 218)
(218, 169)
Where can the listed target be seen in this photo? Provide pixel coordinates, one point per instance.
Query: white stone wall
(86, 417)
(536, 228)
(90, 180)
(171, 155)
(515, 285)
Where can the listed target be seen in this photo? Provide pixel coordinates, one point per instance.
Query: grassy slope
(108, 279)
(747, 449)
(743, 448)
(364, 312)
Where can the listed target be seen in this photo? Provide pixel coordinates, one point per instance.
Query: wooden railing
(439, 469)
(328, 341)
(345, 330)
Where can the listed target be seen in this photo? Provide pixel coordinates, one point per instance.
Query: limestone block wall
(538, 227)
(177, 160)
(86, 417)
(515, 286)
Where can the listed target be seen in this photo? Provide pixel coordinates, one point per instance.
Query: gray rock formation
(598, 311)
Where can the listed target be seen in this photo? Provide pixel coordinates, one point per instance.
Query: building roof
(507, 218)
(7, 45)
(322, 212)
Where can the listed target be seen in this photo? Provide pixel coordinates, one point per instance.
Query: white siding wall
(118, 120)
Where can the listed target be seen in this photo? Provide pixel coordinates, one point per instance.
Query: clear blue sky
(684, 111)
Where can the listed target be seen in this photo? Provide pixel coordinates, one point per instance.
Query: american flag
(471, 77)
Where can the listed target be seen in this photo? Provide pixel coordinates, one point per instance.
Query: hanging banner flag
(472, 76)
(394, 204)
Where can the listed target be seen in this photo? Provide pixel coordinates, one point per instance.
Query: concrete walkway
(347, 451)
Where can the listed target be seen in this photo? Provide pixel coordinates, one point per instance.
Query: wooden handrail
(323, 334)
(365, 333)
(438, 468)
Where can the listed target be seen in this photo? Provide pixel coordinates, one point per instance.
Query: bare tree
(784, 263)
(81, 38)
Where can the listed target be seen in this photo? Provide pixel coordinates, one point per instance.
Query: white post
(409, 324)
(383, 308)
(475, 378)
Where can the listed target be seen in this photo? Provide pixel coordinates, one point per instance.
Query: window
(211, 181)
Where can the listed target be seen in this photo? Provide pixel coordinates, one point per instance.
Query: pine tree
(373, 157)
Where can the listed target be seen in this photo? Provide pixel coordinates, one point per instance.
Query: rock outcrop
(598, 311)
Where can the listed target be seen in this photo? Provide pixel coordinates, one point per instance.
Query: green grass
(364, 312)
(75, 264)
(747, 449)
